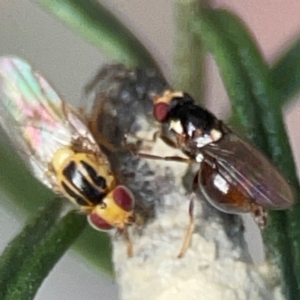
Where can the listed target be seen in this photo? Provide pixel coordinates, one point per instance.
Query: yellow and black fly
(54, 141)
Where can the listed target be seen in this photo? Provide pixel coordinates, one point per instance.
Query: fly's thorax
(192, 139)
(115, 211)
(82, 177)
(197, 125)
(194, 126)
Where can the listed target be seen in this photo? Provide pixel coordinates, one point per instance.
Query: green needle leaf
(20, 248)
(265, 94)
(44, 255)
(229, 30)
(234, 77)
(189, 56)
(96, 247)
(99, 27)
(285, 73)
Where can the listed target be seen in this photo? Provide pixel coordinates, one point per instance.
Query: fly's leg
(190, 228)
(137, 142)
(128, 241)
(135, 150)
(102, 141)
(260, 215)
(138, 146)
(169, 142)
(166, 158)
(157, 134)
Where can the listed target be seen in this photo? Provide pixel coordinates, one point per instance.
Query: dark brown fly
(233, 176)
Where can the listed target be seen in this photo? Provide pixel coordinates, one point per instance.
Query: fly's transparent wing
(34, 117)
(247, 169)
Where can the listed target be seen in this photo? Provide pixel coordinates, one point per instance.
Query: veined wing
(247, 169)
(35, 118)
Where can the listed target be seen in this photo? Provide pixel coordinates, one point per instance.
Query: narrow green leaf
(265, 94)
(285, 73)
(44, 256)
(99, 27)
(278, 148)
(20, 248)
(234, 77)
(189, 56)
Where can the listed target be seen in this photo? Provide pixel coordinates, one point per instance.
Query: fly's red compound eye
(160, 111)
(123, 198)
(98, 223)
